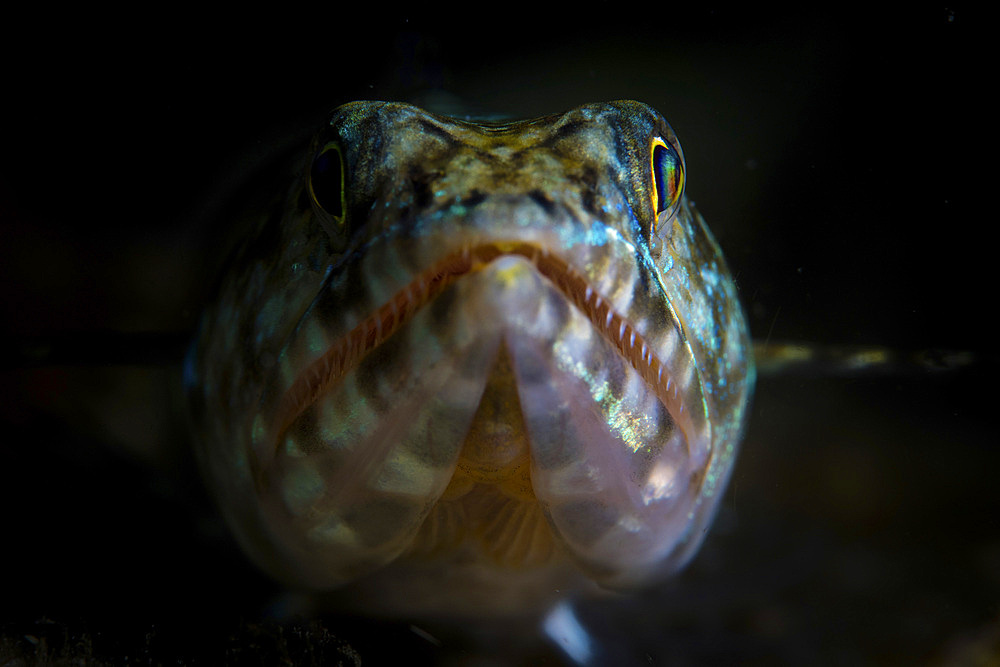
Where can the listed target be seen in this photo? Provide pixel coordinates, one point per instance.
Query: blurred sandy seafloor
(826, 149)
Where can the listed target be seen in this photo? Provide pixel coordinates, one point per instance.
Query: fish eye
(667, 168)
(326, 187)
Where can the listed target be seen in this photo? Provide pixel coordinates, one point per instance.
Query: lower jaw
(467, 579)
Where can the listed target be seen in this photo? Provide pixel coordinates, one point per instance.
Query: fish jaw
(367, 416)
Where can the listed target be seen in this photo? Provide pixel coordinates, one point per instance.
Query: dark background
(834, 153)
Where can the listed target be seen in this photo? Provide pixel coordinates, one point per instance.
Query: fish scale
(490, 360)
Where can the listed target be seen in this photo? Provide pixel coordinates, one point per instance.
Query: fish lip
(349, 349)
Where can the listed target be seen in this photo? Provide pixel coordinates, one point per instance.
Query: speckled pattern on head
(506, 356)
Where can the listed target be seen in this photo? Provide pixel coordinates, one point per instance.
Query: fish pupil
(327, 181)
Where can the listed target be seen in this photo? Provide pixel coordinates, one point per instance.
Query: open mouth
(349, 349)
(364, 437)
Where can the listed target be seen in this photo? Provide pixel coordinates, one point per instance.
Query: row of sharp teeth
(373, 330)
(594, 301)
